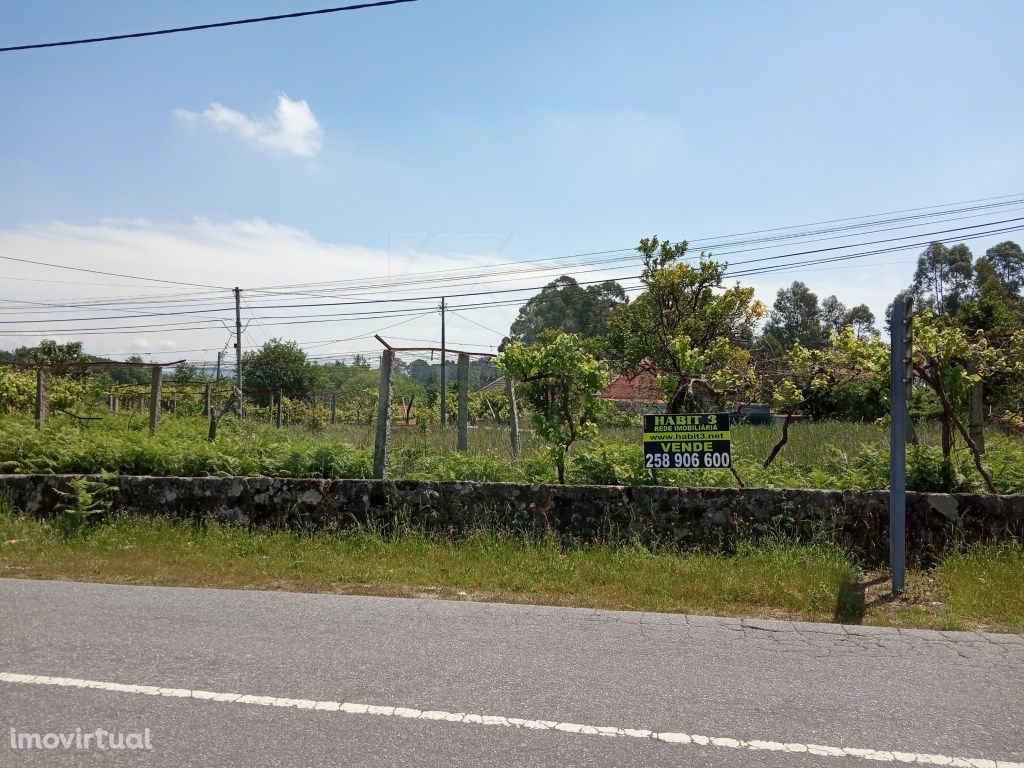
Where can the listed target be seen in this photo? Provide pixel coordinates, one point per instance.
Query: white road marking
(688, 739)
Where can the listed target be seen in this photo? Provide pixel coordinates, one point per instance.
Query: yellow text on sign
(654, 437)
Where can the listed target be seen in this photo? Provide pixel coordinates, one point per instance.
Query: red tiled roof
(639, 387)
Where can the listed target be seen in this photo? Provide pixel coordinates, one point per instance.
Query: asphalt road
(230, 678)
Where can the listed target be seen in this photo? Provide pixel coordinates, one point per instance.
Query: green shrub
(82, 507)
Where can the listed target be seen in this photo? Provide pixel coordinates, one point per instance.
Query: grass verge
(981, 588)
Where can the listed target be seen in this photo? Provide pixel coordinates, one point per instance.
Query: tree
(130, 374)
(187, 373)
(806, 373)
(50, 352)
(862, 320)
(422, 371)
(560, 381)
(993, 309)
(687, 326)
(796, 317)
(277, 365)
(563, 305)
(1007, 259)
(942, 280)
(833, 315)
(949, 360)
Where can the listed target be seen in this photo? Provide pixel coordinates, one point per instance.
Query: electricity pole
(444, 385)
(238, 347)
(902, 375)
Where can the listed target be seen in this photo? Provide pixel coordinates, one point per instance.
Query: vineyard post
(42, 397)
(207, 400)
(154, 398)
(901, 367)
(334, 408)
(976, 428)
(238, 351)
(113, 402)
(381, 443)
(278, 397)
(513, 416)
(463, 401)
(444, 373)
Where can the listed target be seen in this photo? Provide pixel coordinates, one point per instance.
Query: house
(635, 391)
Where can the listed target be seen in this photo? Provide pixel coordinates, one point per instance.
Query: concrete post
(463, 401)
(977, 412)
(513, 417)
(114, 404)
(383, 438)
(42, 397)
(207, 401)
(334, 408)
(278, 397)
(154, 399)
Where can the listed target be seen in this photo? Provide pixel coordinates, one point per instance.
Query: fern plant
(83, 506)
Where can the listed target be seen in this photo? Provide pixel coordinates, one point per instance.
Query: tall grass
(777, 579)
(984, 585)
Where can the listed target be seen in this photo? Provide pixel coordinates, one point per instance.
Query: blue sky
(444, 133)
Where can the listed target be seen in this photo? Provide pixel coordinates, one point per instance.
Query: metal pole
(238, 349)
(383, 438)
(444, 383)
(899, 380)
(463, 402)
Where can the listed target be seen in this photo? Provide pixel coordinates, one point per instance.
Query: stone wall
(706, 518)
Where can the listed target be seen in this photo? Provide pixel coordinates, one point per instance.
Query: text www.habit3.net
(99, 738)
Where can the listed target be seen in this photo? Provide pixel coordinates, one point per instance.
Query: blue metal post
(899, 382)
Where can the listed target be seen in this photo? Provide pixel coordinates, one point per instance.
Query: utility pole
(902, 375)
(238, 348)
(444, 384)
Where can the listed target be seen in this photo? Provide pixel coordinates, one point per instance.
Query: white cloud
(293, 128)
(249, 253)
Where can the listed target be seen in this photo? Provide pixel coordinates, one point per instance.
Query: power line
(108, 274)
(352, 316)
(707, 243)
(471, 294)
(193, 298)
(195, 27)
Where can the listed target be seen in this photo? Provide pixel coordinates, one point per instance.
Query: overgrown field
(980, 588)
(819, 455)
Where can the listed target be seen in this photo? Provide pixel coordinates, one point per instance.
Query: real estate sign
(687, 441)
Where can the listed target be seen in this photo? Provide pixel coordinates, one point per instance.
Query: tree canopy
(563, 305)
(687, 325)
